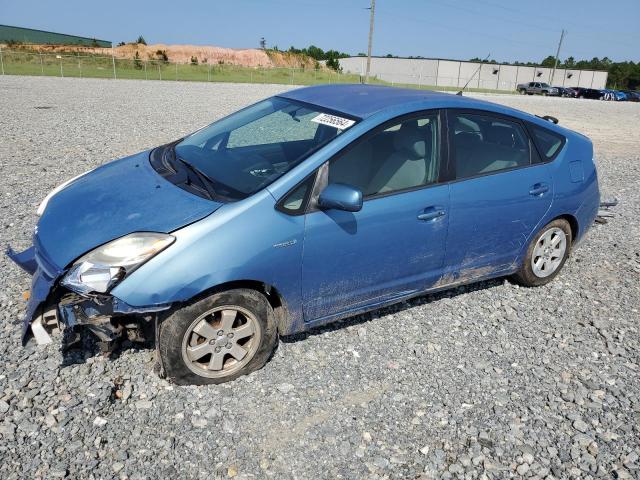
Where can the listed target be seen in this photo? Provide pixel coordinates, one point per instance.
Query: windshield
(249, 149)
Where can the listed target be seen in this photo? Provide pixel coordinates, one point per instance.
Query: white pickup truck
(537, 88)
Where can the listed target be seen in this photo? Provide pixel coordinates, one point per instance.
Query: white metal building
(454, 73)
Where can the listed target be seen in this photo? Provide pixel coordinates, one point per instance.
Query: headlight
(43, 205)
(100, 269)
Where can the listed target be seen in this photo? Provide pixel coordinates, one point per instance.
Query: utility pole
(373, 12)
(555, 64)
(113, 61)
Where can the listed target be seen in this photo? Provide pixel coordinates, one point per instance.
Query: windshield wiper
(204, 179)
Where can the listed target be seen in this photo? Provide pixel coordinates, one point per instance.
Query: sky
(457, 29)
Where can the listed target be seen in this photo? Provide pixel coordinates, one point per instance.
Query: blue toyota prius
(307, 207)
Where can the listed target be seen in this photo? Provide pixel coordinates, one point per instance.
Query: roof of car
(360, 100)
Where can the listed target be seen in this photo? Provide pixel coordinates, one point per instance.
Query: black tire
(526, 276)
(522, 91)
(178, 323)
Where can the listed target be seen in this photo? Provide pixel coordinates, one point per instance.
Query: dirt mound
(250, 57)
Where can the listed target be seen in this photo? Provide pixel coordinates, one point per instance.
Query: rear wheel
(546, 255)
(522, 91)
(218, 338)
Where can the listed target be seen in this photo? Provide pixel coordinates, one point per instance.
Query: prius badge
(288, 243)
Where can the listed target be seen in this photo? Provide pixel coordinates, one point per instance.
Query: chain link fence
(18, 62)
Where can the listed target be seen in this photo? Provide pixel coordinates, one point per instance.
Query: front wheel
(546, 255)
(218, 338)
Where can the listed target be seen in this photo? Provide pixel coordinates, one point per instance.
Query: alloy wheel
(221, 341)
(549, 252)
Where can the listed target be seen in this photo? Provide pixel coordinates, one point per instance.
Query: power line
(575, 31)
(508, 40)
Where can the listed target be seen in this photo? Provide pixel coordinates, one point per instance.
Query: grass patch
(94, 66)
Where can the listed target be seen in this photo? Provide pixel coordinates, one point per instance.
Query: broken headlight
(102, 268)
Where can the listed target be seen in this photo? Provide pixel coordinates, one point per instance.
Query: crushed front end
(53, 307)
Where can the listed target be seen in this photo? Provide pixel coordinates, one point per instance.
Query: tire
(202, 342)
(522, 91)
(529, 276)
(544, 94)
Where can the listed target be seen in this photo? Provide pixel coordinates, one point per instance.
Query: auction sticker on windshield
(333, 121)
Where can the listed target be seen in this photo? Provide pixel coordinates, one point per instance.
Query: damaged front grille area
(96, 314)
(106, 317)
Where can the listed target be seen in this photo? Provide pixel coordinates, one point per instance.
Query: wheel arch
(573, 223)
(271, 293)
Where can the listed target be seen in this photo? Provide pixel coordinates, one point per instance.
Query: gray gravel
(489, 381)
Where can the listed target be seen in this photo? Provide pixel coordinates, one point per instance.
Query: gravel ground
(490, 380)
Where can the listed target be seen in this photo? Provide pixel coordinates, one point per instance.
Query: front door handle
(431, 213)
(538, 189)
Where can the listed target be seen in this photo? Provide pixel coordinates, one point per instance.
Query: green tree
(141, 40)
(334, 64)
(548, 62)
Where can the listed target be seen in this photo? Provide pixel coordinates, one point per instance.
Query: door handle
(538, 189)
(431, 214)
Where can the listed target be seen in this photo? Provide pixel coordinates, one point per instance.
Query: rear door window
(484, 144)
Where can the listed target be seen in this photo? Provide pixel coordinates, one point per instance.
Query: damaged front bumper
(50, 307)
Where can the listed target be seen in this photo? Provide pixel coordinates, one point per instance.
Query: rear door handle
(538, 189)
(431, 213)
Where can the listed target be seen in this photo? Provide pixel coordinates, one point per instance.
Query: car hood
(116, 199)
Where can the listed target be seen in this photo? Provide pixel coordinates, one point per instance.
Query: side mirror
(339, 196)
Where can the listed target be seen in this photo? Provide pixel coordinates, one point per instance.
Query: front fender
(246, 240)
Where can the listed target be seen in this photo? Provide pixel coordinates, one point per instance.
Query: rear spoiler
(549, 118)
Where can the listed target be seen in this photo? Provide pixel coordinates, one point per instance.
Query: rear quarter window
(547, 142)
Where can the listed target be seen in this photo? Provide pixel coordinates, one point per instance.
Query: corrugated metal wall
(454, 73)
(40, 37)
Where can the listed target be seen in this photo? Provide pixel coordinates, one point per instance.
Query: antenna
(474, 74)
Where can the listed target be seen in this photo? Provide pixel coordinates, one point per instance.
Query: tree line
(330, 57)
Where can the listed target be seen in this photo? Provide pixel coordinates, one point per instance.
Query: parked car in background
(632, 96)
(566, 92)
(537, 88)
(590, 93)
(620, 96)
(311, 206)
